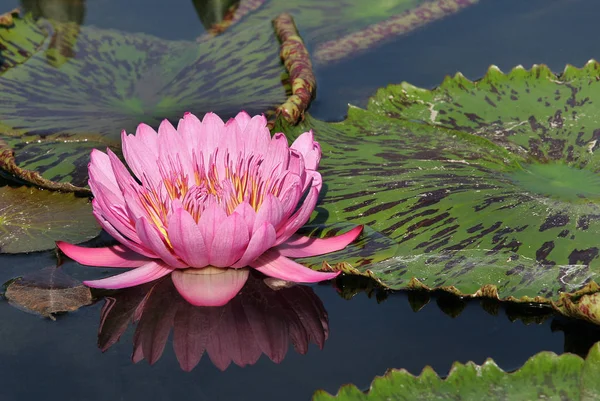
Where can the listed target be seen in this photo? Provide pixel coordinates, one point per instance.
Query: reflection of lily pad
(33, 219)
(453, 177)
(116, 80)
(544, 376)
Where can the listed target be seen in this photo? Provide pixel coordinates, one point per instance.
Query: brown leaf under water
(48, 291)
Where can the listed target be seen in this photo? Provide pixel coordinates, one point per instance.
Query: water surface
(60, 360)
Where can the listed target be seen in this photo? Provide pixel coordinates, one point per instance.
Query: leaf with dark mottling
(487, 188)
(48, 291)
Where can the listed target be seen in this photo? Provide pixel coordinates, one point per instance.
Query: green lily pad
(545, 376)
(113, 80)
(495, 198)
(32, 219)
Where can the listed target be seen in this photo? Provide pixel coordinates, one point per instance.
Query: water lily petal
(141, 159)
(186, 239)
(100, 170)
(114, 213)
(277, 156)
(140, 275)
(230, 241)
(211, 218)
(141, 249)
(151, 237)
(296, 164)
(299, 218)
(209, 286)
(291, 195)
(110, 256)
(247, 212)
(231, 140)
(271, 211)
(189, 127)
(210, 131)
(242, 118)
(262, 239)
(146, 135)
(256, 135)
(298, 246)
(310, 150)
(273, 264)
(174, 150)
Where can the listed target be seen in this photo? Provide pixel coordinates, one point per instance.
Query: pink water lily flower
(208, 200)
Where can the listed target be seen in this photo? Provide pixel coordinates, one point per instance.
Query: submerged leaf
(544, 376)
(115, 80)
(48, 291)
(58, 107)
(33, 219)
(338, 29)
(20, 38)
(487, 188)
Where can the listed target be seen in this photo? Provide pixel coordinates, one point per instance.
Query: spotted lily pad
(487, 188)
(32, 219)
(48, 291)
(115, 80)
(545, 376)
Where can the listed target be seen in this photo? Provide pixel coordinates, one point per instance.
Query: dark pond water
(60, 360)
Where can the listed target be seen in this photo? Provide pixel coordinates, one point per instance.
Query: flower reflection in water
(258, 320)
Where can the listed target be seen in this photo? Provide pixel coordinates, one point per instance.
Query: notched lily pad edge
(590, 69)
(478, 373)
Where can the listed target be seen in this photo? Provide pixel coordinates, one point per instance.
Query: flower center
(222, 180)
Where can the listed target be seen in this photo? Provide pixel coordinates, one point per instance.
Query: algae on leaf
(486, 188)
(545, 376)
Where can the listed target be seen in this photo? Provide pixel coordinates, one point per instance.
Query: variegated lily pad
(487, 188)
(33, 219)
